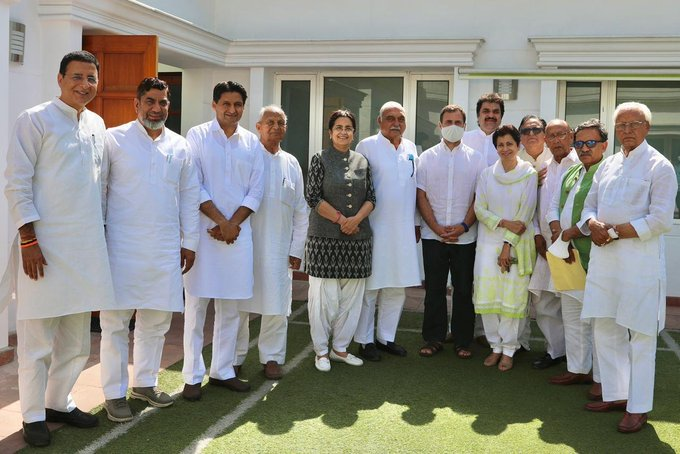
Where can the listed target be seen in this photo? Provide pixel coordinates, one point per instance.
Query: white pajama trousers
(51, 353)
(271, 343)
(627, 363)
(390, 302)
(578, 334)
(549, 320)
(334, 307)
(149, 337)
(225, 333)
(502, 333)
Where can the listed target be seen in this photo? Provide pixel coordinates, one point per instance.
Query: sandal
(463, 352)
(505, 364)
(492, 359)
(430, 349)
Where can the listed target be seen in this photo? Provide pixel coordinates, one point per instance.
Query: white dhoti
(224, 339)
(548, 308)
(581, 356)
(149, 337)
(502, 333)
(334, 308)
(627, 364)
(391, 302)
(51, 353)
(271, 343)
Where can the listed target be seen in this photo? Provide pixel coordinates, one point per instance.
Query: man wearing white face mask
(446, 179)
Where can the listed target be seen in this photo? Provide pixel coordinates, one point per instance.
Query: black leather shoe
(37, 434)
(547, 361)
(233, 383)
(75, 417)
(391, 348)
(369, 352)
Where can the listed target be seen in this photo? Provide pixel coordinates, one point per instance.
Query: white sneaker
(323, 364)
(349, 359)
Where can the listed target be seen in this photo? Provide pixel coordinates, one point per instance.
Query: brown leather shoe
(570, 378)
(273, 371)
(602, 407)
(595, 392)
(632, 422)
(192, 393)
(234, 384)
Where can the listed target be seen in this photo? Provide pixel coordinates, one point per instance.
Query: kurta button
(349, 184)
(349, 195)
(346, 168)
(344, 159)
(349, 206)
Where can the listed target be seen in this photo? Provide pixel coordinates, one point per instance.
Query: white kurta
(279, 231)
(395, 255)
(151, 195)
(230, 172)
(540, 279)
(627, 278)
(53, 180)
(479, 141)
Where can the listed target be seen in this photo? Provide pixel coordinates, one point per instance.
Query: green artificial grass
(413, 404)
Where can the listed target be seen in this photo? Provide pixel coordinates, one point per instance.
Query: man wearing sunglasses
(628, 209)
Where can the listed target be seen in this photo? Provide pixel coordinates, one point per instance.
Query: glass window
(363, 96)
(663, 99)
(295, 96)
(582, 103)
(431, 96)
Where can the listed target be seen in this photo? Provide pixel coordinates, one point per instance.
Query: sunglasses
(590, 143)
(535, 131)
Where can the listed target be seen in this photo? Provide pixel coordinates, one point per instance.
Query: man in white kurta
(490, 110)
(151, 196)
(54, 196)
(230, 170)
(395, 257)
(628, 209)
(279, 232)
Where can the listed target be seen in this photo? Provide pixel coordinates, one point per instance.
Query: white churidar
(53, 181)
(334, 307)
(51, 353)
(581, 352)
(479, 141)
(230, 172)
(223, 342)
(449, 178)
(502, 332)
(149, 337)
(627, 363)
(389, 312)
(151, 195)
(271, 342)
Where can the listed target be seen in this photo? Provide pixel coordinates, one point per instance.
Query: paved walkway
(88, 391)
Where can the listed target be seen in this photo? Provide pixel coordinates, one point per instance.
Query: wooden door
(123, 62)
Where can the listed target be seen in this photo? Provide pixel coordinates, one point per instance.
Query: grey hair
(391, 105)
(632, 105)
(273, 108)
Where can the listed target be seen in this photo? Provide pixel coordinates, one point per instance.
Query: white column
(549, 98)
(255, 96)
(461, 94)
(59, 37)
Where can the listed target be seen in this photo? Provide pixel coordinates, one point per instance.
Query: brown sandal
(505, 364)
(492, 359)
(463, 352)
(430, 349)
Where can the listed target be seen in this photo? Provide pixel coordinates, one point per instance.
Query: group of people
(122, 220)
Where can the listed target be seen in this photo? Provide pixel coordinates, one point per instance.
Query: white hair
(391, 105)
(272, 108)
(642, 108)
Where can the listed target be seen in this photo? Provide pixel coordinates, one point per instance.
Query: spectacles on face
(590, 143)
(557, 136)
(535, 131)
(272, 123)
(340, 128)
(633, 125)
(79, 78)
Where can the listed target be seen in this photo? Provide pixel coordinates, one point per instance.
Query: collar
(68, 110)
(450, 150)
(635, 151)
(215, 127)
(384, 140)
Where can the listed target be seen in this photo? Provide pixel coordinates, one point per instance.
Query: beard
(153, 125)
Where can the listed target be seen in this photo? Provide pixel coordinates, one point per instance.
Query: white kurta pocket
(288, 194)
(171, 170)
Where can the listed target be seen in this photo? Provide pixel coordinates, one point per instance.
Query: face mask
(453, 133)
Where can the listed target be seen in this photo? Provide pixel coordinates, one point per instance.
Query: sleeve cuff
(642, 229)
(252, 203)
(31, 217)
(204, 196)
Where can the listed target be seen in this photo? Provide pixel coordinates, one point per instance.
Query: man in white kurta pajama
(395, 256)
(54, 195)
(151, 196)
(279, 232)
(628, 209)
(230, 170)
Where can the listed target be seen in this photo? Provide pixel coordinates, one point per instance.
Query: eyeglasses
(79, 78)
(535, 131)
(557, 136)
(340, 128)
(590, 143)
(633, 125)
(272, 123)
